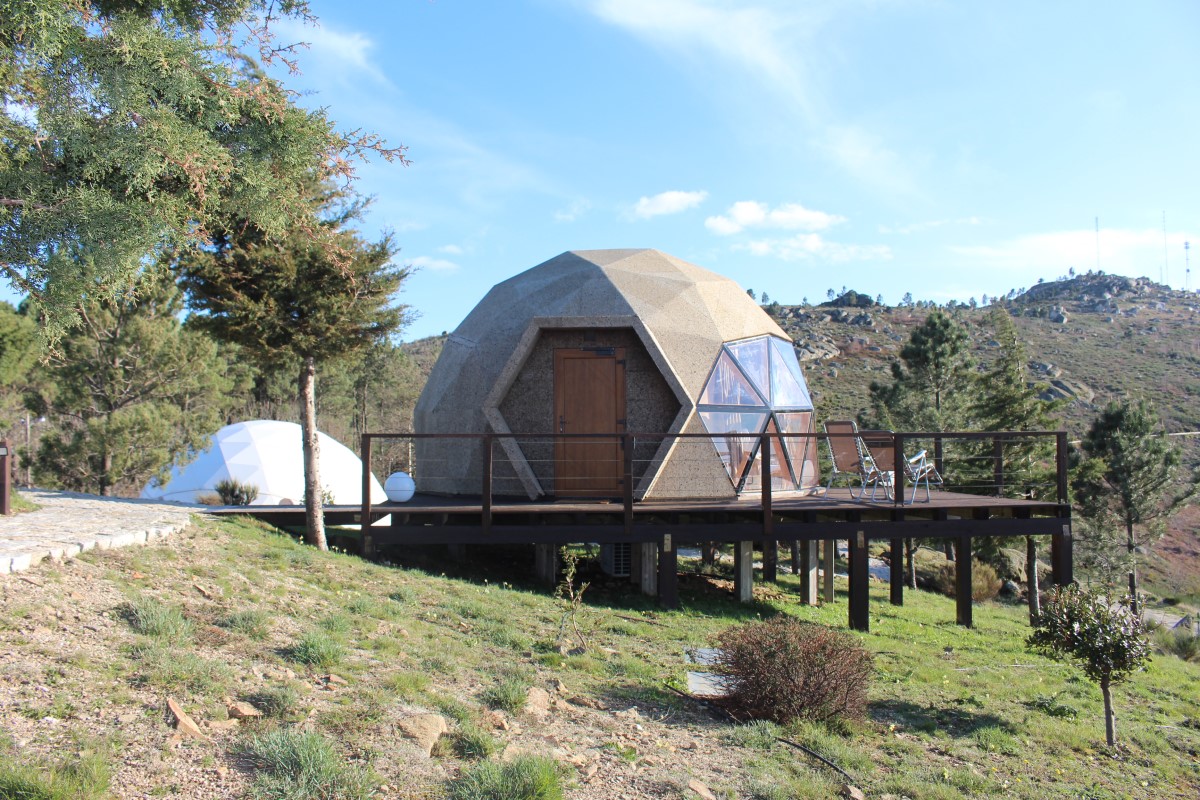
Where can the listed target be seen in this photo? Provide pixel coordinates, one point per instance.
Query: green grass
(149, 616)
(317, 649)
(171, 669)
(523, 778)
(473, 743)
(84, 775)
(295, 765)
(509, 694)
(250, 622)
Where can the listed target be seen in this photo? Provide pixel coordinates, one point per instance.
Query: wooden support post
(743, 571)
(627, 481)
(668, 573)
(796, 557)
(829, 556)
(770, 553)
(1062, 557)
(896, 572)
(898, 471)
(648, 568)
(545, 558)
(998, 464)
(364, 519)
(1060, 463)
(962, 581)
(485, 511)
(808, 572)
(860, 599)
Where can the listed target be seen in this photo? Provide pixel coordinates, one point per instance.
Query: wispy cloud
(927, 225)
(1124, 251)
(812, 246)
(451, 250)
(346, 54)
(434, 264)
(574, 210)
(671, 202)
(753, 214)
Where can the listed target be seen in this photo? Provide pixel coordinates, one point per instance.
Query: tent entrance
(589, 397)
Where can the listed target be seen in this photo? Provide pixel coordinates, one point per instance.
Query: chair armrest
(918, 457)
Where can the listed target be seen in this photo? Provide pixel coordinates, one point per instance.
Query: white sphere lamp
(399, 487)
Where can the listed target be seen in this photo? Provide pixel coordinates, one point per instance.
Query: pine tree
(130, 393)
(297, 304)
(1128, 486)
(131, 124)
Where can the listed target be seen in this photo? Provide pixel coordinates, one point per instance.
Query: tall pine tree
(297, 304)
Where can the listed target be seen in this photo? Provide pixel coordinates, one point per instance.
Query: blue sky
(948, 149)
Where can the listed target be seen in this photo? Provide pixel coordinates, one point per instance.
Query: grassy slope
(950, 715)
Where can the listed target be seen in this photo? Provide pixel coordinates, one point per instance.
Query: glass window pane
(801, 451)
(727, 386)
(751, 356)
(788, 389)
(781, 476)
(734, 434)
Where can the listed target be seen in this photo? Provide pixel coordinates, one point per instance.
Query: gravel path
(68, 523)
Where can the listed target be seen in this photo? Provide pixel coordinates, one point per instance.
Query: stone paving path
(68, 523)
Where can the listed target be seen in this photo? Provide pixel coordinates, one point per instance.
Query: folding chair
(849, 460)
(918, 470)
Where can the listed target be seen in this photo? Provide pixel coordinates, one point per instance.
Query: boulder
(424, 730)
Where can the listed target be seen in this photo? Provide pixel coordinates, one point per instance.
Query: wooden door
(589, 397)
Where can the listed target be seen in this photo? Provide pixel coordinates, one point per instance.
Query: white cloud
(752, 214)
(806, 246)
(1135, 253)
(928, 225)
(345, 54)
(451, 250)
(663, 203)
(576, 209)
(434, 264)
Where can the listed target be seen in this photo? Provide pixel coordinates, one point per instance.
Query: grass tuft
(317, 649)
(300, 765)
(523, 778)
(149, 616)
(510, 694)
(472, 742)
(84, 776)
(249, 622)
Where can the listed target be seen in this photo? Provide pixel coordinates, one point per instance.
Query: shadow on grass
(953, 721)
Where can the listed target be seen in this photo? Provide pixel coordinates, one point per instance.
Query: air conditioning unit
(617, 559)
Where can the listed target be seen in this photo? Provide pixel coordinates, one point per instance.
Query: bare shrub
(783, 669)
(235, 493)
(985, 582)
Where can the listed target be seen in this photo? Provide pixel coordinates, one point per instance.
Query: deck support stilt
(795, 560)
(962, 581)
(545, 559)
(743, 571)
(770, 562)
(808, 573)
(860, 598)
(896, 570)
(829, 555)
(1061, 556)
(647, 567)
(668, 573)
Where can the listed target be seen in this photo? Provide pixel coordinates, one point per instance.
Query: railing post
(768, 521)
(485, 495)
(998, 464)
(938, 456)
(898, 468)
(368, 541)
(1060, 464)
(627, 482)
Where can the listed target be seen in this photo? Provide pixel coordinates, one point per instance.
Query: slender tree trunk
(948, 547)
(106, 461)
(1035, 600)
(708, 554)
(314, 507)
(1110, 719)
(1135, 604)
(912, 564)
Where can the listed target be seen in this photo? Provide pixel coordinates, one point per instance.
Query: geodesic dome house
(606, 342)
(267, 454)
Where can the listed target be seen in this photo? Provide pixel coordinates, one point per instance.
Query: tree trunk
(1110, 719)
(314, 507)
(912, 564)
(948, 547)
(1035, 600)
(1135, 604)
(106, 460)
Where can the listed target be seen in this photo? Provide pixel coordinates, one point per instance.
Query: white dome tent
(267, 454)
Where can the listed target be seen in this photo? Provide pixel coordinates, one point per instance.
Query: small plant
(783, 669)
(251, 623)
(759, 734)
(570, 597)
(1078, 625)
(472, 742)
(276, 702)
(1180, 643)
(317, 649)
(510, 694)
(298, 765)
(994, 739)
(1049, 705)
(523, 778)
(985, 582)
(235, 493)
(407, 685)
(151, 617)
(84, 776)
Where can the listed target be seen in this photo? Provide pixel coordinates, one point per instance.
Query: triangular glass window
(788, 389)
(734, 434)
(727, 386)
(751, 356)
(781, 476)
(801, 450)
